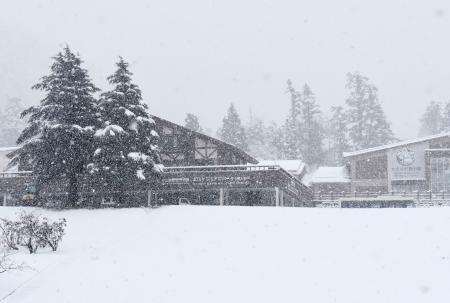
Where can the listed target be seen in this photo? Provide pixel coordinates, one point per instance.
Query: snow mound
(240, 254)
(330, 174)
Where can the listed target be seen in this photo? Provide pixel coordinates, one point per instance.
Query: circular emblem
(405, 157)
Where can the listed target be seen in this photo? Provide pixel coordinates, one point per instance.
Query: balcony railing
(420, 196)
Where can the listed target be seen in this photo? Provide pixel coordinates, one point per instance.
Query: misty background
(198, 56)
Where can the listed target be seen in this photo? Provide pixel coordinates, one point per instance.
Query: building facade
(414, 165)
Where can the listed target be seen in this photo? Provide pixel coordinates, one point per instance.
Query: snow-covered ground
(240, 254)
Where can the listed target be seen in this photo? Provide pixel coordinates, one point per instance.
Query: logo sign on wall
(407, 162)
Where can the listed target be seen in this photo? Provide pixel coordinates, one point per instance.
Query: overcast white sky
(198, 56)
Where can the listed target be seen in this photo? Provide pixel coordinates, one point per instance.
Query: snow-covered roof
(295, 167)
(4, 160)
(8, 149)
(330, 174)
(396, 144)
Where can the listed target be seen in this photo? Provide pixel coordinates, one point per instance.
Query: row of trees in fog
(306, 133)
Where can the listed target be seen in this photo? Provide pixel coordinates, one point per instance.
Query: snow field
(240, 254)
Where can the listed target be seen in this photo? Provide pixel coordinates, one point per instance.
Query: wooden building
(181, 146)
(199, 169)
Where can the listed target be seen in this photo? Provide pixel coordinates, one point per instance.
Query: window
(372, 168)
(440, 174)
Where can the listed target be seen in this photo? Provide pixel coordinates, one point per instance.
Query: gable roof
(396, 144)
(236, 149)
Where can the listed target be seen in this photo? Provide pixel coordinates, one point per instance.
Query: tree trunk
(73, 191)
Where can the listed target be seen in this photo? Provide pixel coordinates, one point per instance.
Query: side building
(421, 164)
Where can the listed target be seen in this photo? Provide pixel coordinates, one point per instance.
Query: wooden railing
(218, 168)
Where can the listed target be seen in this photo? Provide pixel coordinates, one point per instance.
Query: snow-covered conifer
(232, 130)
(367, 123)
(10, 123)
(311, 130)
(337, 135)
(57, 141)
(431, 122)
(445, 123)
(291, 144)
(192, 122)
(261, 139)
(126, 144)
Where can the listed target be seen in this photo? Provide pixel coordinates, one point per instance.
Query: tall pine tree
(126, 143)
(58, 140)
(431, 121)
(232, 130)
(311, 130)
(262, 139)
(10, 123)
(367, 122)
(192, 122)
(337, 134)
(291, 147)
(445, 123)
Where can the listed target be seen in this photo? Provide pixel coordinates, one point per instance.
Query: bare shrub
(52, 233)
(31, 231)
(5, 262)
(10, 236)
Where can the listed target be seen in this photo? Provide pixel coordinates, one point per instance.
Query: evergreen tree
(57, 142)
(311, 131)
(445, 123)
(255, 132)
(192, 122)
(10, 123)
(368, 125)
(431, 121)
(291, 146)
(262, 139)
(126, 143)
(275, 141)
(232, 130)
(338, 137)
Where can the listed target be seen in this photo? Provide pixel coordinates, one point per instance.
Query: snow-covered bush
(10, 234)
(31, 231)
(52, 233)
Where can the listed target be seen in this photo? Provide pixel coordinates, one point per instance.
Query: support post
(149, 198)
(277, 196)
(221, 197)
(4, 199)
(281, 197)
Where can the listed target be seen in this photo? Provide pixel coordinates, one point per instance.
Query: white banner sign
(407, 162)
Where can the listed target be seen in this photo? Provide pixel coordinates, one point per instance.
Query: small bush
(52, 233)
(10, 234)
(32, 231)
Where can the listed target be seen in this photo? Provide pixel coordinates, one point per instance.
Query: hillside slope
(240, 254)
